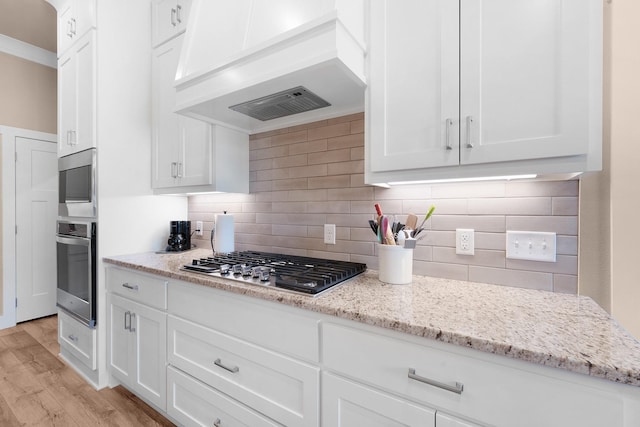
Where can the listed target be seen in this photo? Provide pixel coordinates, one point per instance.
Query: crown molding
(28, 51)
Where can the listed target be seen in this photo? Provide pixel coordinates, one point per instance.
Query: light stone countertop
(558, 330)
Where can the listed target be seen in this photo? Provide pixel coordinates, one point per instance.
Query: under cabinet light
(474, 179)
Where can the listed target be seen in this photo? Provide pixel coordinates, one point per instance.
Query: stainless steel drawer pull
(132, 287)
(447, 132)
(173, 17)
(73, 338)
(469, 130)
(217, 423)
(455, 389)
(232, 369)
(179, 14)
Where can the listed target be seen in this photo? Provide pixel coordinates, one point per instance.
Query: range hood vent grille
(281, 104)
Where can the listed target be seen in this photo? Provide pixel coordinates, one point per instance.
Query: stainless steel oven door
(76, 277)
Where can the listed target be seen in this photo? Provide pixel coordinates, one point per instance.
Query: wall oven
(77, 184)
(76, 254)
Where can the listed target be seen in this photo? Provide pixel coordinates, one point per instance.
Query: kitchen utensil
(412, 221)
(427, 216)
(388, 234)
(374, 226)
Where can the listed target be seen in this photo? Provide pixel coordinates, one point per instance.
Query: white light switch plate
(531, 245)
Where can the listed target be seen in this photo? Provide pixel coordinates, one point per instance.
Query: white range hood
(302, 51)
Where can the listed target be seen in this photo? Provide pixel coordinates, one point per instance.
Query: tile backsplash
(306, 176)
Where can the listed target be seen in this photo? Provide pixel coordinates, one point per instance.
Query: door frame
(8, 137)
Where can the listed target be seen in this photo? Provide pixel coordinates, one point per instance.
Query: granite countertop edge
(618, 362)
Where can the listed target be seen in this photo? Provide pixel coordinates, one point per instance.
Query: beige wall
(29, 94)
(609, 254)
(305, 176)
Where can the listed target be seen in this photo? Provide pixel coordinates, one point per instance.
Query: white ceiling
(30, 21)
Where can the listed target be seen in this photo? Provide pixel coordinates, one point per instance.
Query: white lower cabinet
(77, 339)
(470, 385)
(215, 358)
(137, 348)
(192, 403)
(348, 404)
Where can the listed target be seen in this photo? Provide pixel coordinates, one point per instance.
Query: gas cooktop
(306, 275)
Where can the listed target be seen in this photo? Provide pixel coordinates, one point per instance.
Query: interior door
(36, 213)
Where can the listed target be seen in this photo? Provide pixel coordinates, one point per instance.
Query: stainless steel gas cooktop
(306, 275)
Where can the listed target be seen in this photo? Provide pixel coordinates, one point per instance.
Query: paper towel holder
(228, 248)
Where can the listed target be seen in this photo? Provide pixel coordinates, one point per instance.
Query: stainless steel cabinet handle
(131, 287)
(217, 423)
(73, 26)
(127, 325)
(232, 369)
(174, 168)
(73, 338)
(179, 169)
(470, 122)
(179, 14)
(132, 322)
(447, 132)
(455, 389)
(174, 12)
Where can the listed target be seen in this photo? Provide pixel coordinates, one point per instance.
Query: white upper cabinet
(413, 84)
(180, 145)
(524, 79)
(169, 19)
(189, 155)
(496, 87)
(75, 18)
(76, 97)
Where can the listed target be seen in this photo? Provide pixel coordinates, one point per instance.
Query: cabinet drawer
(492, 393)
(275, 326)
(277, 386)
(348, 404)
(78, 339)
(139, 287)
(192, 403)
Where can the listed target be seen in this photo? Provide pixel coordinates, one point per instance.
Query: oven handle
(82, 241)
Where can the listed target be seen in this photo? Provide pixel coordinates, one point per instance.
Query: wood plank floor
(38, 389)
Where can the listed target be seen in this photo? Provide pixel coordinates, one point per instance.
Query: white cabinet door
(412, 110)
(349, 404)
(169, 19)
(444, 420)
(76, 97)
(137, 356)
(120, 343)
(150, 334)
(75, 18)
(523, 88)
(181, 147)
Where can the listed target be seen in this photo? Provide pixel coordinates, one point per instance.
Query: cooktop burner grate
(291, 272)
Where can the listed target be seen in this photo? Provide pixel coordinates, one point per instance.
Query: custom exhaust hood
(256, 65)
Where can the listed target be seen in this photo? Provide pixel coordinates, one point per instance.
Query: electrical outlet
(465, 243)
(330, 234)
(199, 230)
(531, 245)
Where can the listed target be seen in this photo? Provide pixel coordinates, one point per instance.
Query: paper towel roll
(224, 236)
